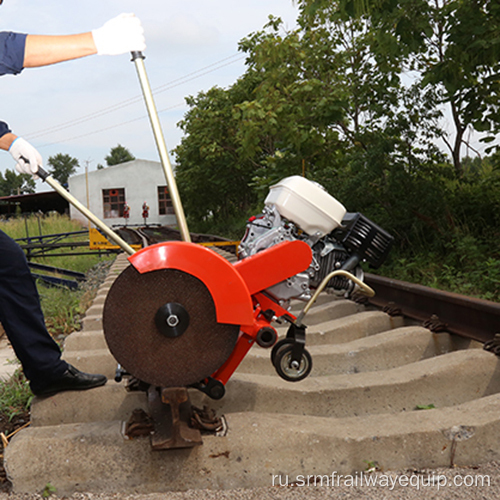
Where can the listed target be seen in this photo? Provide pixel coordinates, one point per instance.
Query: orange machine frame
(237, 290)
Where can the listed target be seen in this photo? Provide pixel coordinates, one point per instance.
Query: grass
(62, 309)
(40, 225)
(37, 225)
(474, 276)
(15, 395)
(49, 490)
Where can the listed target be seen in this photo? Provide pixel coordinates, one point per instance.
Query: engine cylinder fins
(188, 347)
(330, 262)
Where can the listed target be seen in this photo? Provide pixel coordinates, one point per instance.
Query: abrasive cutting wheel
(162, 328)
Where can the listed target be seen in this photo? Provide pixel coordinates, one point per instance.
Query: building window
(165, 206)
(113, 201)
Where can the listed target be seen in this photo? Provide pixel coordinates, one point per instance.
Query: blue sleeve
(4, 129)
(11, 52)
(11, 60)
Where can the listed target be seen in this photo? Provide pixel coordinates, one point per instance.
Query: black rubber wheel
(278, 346)
(282, 361)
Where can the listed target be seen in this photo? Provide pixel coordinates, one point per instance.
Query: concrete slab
(378, 352)
(93, 322)
(107, 403)
(85, 341)
(8, 360)
(431, 381)
(93, 361)
(100, 360)
(332, 310)
(95, 310)
(348, 328)
(258, 449)
(296, 305)
(100, 299)
(401, 389)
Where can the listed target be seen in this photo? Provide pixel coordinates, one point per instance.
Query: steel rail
(57, 270)
(56, 237)
(51, 246)
(439, 310)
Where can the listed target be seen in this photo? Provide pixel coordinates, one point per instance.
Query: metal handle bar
(45, 176)
(138, 59)
(365, 290)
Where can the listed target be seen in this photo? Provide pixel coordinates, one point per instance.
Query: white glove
(121, 34)
(27, 157)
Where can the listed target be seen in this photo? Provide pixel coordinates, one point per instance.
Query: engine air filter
(364, 238)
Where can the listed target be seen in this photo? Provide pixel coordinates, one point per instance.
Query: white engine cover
(306, 204)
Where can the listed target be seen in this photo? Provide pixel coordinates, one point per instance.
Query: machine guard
(232, 300)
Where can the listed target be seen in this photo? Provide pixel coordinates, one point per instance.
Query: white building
(106, 192)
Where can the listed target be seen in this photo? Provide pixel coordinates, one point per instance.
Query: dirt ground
(7, 427)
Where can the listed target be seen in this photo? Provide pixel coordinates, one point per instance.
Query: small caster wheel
(284, 364)
(278, 346)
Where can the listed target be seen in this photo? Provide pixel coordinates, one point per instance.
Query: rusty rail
(438, 310)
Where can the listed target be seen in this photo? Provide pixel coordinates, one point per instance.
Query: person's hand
(27, 157)
(121, 34)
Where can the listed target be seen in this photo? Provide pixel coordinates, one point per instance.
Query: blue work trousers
(22, 318)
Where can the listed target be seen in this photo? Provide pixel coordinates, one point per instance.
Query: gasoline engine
(299, 209)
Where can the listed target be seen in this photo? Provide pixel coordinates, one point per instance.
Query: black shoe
(72, 380)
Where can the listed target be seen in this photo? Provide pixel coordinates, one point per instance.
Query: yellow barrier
(99, 242)
(219, 243)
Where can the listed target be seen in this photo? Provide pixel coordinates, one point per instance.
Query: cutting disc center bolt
(172, 319)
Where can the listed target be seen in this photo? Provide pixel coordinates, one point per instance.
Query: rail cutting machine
(180, 315)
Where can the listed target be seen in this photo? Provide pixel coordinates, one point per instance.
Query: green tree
(12, 183)
(450, 46)
(316, 102)
(63, 166)
(356, 98)
(118, 154)
(346, 99)
(212, 174)
(326, 95)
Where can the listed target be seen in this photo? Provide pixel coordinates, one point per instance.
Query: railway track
(438, 310)
(385, 393)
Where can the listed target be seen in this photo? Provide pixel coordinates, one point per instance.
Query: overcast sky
(192, 45)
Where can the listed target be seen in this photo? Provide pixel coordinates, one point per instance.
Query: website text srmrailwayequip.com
(373, 479)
